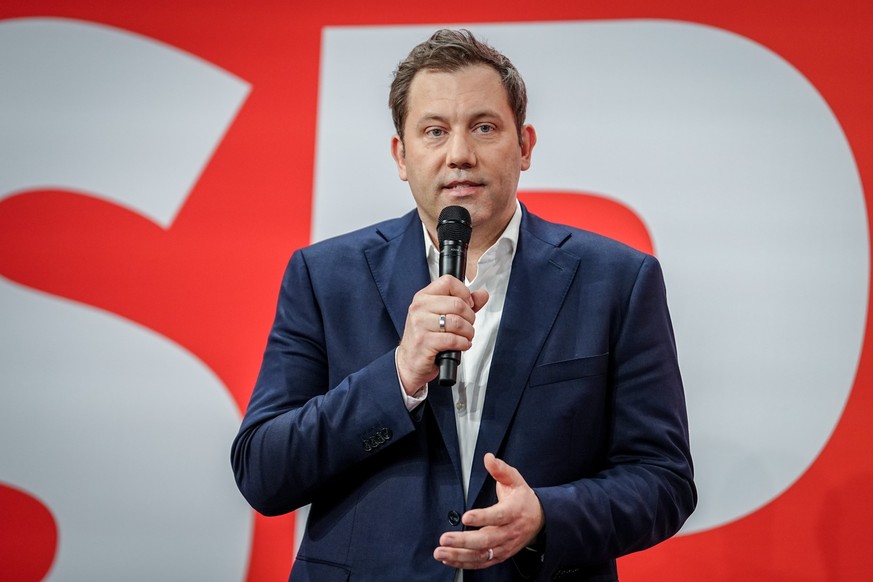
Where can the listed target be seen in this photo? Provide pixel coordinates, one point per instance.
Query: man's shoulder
(363, 238)
(579, 242)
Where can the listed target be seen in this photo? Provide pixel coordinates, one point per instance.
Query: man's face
(461, 147)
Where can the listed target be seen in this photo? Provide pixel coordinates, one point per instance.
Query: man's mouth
(462, 186)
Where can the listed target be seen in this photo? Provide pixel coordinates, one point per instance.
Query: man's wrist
(410, 400)
(538, 544)
(529, 560)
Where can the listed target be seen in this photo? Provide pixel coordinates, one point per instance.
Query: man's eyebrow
(485, 113)
(430, 117)
(476, 116)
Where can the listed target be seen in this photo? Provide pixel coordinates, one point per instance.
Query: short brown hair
(449, 51)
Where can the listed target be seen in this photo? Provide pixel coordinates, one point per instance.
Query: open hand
(504, 528)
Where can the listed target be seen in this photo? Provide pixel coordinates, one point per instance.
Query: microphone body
(454, 229)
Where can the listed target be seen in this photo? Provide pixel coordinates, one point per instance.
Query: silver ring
(442, 322)
(490, 555)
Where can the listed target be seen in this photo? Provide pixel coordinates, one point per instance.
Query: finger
(502, 472)
(477, 539)
(466, 559)
(451, 323)
(426, 308)
(420, 350)
(449, 285)
(420, 345)
(494, 515)
(450, 306)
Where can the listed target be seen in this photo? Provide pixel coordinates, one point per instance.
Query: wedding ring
(442, 322)
(490, 555)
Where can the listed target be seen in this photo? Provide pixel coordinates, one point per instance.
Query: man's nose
(460, 153)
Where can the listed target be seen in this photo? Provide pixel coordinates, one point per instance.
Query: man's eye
(485, 128)
(434, 132)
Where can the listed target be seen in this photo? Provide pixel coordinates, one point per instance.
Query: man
(564, 443)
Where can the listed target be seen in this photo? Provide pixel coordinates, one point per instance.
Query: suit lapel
(399, 269)
(541, 276)
(398, 266)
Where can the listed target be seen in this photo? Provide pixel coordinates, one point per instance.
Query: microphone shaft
(453, 261)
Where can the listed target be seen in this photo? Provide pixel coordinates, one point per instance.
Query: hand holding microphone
(445, 301)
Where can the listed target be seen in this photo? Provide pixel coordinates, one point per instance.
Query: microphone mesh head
(454, 223)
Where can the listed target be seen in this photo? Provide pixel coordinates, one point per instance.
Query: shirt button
(461, 405)
(454, 517)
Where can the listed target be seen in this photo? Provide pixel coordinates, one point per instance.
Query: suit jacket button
(454, 517)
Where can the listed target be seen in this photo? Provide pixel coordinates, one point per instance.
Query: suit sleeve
(646, 491)
(300, 434)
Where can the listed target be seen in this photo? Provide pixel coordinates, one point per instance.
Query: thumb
(480, 298)
(502, 472)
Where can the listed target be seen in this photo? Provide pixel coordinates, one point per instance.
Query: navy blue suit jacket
(584, 399)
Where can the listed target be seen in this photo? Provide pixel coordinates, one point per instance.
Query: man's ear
(399, 155)
(528, 141)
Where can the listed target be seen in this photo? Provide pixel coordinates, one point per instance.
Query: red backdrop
(252, 207)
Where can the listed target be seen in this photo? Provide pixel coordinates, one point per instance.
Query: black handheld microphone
(454, 229)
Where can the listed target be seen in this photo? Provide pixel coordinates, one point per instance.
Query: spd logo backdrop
(159, 164)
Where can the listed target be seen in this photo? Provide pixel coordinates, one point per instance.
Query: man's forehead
(431, 86)
(476, 68)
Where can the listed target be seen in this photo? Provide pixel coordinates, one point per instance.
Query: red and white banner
(159, 164)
